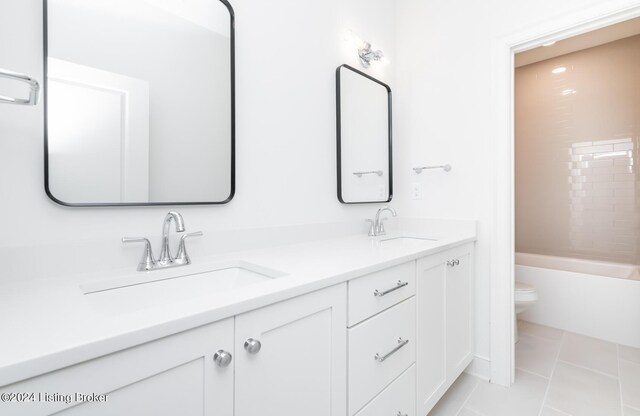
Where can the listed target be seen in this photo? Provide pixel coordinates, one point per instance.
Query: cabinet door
(300, 368)
(459, 312)
(430, 344)
(175, 375)
(445, 322)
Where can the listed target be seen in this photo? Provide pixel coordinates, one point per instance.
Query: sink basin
(157, 289)
(406, 241)
(200, 278)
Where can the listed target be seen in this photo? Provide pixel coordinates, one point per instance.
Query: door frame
(134, 141)
(503, 175)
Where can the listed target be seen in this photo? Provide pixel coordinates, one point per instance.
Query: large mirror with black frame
(139, 102)
(363, 137)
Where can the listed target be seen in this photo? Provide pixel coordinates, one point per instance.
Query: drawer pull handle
(386, 292)
(401, 343)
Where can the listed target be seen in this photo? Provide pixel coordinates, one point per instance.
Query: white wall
(287, 52)
(443, 109)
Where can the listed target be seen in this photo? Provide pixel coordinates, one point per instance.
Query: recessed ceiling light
(553, 42)
(559, 70)
(569, 91)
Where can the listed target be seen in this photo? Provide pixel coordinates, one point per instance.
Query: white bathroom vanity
(346, 326)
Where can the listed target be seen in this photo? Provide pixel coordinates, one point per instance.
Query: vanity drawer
(399, 398)
(378, 291)
(379, 352)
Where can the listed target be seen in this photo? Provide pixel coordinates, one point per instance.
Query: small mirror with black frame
(139, 102)
(363, 117)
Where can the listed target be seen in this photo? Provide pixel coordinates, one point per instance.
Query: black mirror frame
(339, 142)
(144, 204)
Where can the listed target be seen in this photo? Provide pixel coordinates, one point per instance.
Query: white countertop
(49, 323)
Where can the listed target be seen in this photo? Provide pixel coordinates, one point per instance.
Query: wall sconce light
(367, 55)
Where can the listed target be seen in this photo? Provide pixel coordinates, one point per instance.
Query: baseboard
(480, 367)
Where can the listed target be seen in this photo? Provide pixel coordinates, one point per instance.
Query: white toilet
(525, 296)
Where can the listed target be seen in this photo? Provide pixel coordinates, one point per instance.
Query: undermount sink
(156, 289)
(406, 241)
(194, 278)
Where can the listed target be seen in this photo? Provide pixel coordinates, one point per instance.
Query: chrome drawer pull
(401, 343)
(386, 292)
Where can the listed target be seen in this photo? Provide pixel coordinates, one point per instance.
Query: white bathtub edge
(596, 306)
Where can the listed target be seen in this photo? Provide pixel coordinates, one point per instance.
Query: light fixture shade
(366, 55)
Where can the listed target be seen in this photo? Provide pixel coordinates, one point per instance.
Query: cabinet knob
(222, 358)
(456, 262)
(252, 346)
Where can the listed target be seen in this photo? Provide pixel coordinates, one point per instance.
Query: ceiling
(577, 43)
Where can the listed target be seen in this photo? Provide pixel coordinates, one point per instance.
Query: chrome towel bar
(34, 88)
(359, 174)
(446, 168)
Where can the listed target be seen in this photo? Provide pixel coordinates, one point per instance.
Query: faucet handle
(183, 257)
(147, 262)
(372, 228)
(381, 230)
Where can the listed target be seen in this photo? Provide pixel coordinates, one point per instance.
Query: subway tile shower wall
(577, 137)
(603, 210)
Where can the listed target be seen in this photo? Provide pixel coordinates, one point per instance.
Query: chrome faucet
(148, 262)
(165, 255)
(377, 225)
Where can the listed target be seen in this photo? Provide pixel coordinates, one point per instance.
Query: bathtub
(593, 298)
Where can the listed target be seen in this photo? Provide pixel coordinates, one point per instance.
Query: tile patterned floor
(558, 373)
